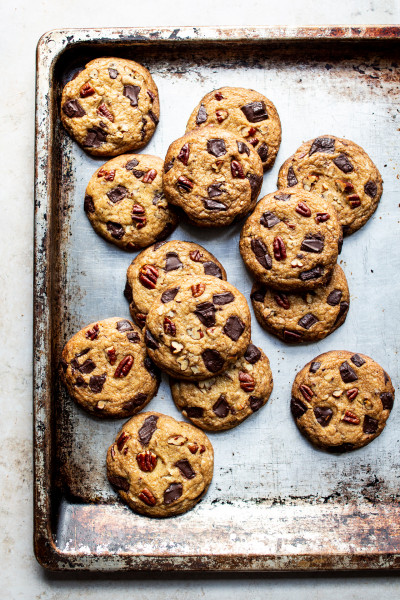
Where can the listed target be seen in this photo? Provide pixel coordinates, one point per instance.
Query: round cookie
(111, 106)
(197, 328)
(225, 401)
(340, 171)
(125, 202)
(213, 175)
(161, 467)
(303, 317)
(291, 241)
(155, 269)
(244, 112)
(106, 369)
(341, 401)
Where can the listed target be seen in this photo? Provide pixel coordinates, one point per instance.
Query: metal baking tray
(275, 502)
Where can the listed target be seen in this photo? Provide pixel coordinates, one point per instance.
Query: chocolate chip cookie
(155, 269)
(340, 171)
(111, 106)
(198, 327)
(160, 467)
(341, 400)
(291, 241)
(125, 202)
(106, 369)
(303, 317)
(225, 401)
(214, 175)
(244, 112)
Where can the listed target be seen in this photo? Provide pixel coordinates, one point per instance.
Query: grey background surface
(22, 23)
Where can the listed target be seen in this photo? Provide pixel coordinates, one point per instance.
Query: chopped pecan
(253, 141)
(147, 497)
(148, 276)
(247, 382)
(198, 289)
(354, 200)
(86, 90)
(193, 447)
(218, 96)
(124, 367)
(185, 183)
(321, 217)
(108, 175)
(92, 334)
(350, 417)
(150, 176)
(146, 460)
(111, 355)
(123, 438)
(140, 319)
(344, 186)
(169, 326)
(307, 392)
(177, 440)
(303, 209)
(221, 115)
(196, 256)
(104, 111)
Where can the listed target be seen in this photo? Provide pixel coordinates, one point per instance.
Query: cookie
(111, 106)
(160, 467)
(222, 402)
(106, 369)
(244, 112)
(303, 317)
(213, 175)
(340, 171)
(125, 202)
(197, 328)
(341, 401)
(155, 269)
(292, 240)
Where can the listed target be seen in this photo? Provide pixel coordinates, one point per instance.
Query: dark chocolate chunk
(153, 117)
(152, 368)
(370, 424)
(371, 189)
(255, 112)
(261, 253)
(234, 328)
(151, 95)
(357, 360)
(79, 354)
(73, 109)
(132, 93)
(344, 307)
(387, 400)
(194, 412)
(342, 448)
(168, 166)
(113, 73)
(291, 177)
(80, 382)
(243, 148)
(120, 483)
(215, 189)
(185, 468)
(323, 414)
(282, 197)
(172, 262)
(291, 336)
(263, 152)
(297, 407)
(96, 383)
(88, 205)
(221, 407)
(223, 298)
(201, 115)
(308, 321)
(259, 294)
(340, 242)
(135, 402)
(211, 268)
(133, 337)
(87, 367)
(124, 325)
(137, 173)
(172, 493)
(206, 313)
(95, 137)
(334, 297)
(256, 182)
(347, 373)
(128, 292)
(252, 354)
(314, 273)
(150, 340)
(315, 365)
(255, 403)
(169, 295)
(117, 194)
(313, 243)
(342, 162)
(269, 219)
(184, 154)
(116, 230)
(216, 147)
(212, 360)
(157, 197)
(131, 164)
(322, 145)
(214, 204)
(147, 429)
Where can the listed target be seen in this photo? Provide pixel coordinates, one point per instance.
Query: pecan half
(169, 326)
(321, 217)
(354, 200)
(123, 438)
(104, 111)
(279, 248)
(148, 276)
(352, 394)
(247, 382)
(282, 300)
(303, 209)
(237, 169)
(198, 289)
(150, 176)
(147, 461)
(147, 497)
(351, 418)
(307, 392)
(124, 367)
(185, 183)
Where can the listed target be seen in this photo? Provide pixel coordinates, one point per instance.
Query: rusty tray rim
(50, 47)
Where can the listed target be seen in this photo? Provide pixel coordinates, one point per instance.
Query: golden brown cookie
(340, 171)
(160, 467)
(244, 112)
(213, 175)
(111, 106)
(106, 369)
(341, 401)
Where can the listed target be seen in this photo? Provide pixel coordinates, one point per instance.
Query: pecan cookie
(225, 401)
(125, 202)
(214, 175)
(106, 369)
(340, 171)
(341, 400)
(292, 240)
(111, 106)
(244, 112)
(303, 317)
(160, 467)
(155, 269)
(198, 327)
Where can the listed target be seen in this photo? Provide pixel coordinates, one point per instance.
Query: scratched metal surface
(275, 502)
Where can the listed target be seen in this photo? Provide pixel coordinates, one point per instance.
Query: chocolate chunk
(269, 219)
(221, 407)
(282, 197)
(212, 360)
(75, 364)
(387, 400)
(255, 403)
(256, 182)
(124, 325)
(96, 383)
(172, 262)
(315, 365)
(79, 354)
(340, 242)
(88, 205)
(116, 230)
(263, 152)
(215, 189)
(334, 297)
(371, 189)
(342, 448)
(298, 408)
(185, 468)
(151, 95)
(255, 112)
(344, 307)
(157, 197)
(347, 373)
(133, 337)
(370, 424)
(153, 117)
(259, 294)
(147, 429)
(224, 298)
(243, 148)
(261, 253)
(211, 268)
(313, 243)
(357, 360)
(113, 73)
(150, 340)
(291, 336)
(120, 483)
(216, 147)
(314, 273)
(131, 164)
(73, 109)
(169, 295)
(117, 194)
(95, 137)
(291, 177)
(152, 368)
(172, 493)
(135, 402)
(308, 321)
(184, 154)
(342, 162)
(323, 414)
(194, 412)
(137, 173)
(214, 205)
(234, 328)
(201, 115)
(87, 367)
(206, 313)
(385, 376)
(132, 93)
(322, 145)
(128, 292)
(168, 166)
(80, 382)
(252, 354)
